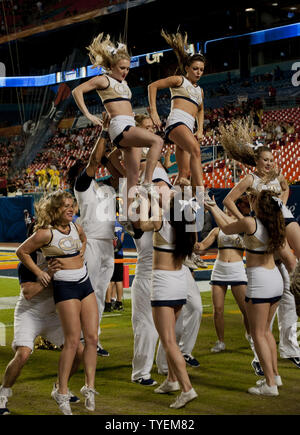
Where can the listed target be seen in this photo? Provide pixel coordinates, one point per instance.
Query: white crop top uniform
(188, 92)
(169, 287)
(231, 241)
(97, 211)
(274, 186)
(178, 117)
(257, 242)
(65, 246)
(227, 273)
(164, 238)
(263, 284)
(115, 91)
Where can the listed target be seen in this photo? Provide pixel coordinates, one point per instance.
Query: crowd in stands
(279, 129)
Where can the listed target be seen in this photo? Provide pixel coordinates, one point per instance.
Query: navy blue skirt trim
(171, 303)
(288, 221)
(263, 300)
(118, 139)
(171, 127)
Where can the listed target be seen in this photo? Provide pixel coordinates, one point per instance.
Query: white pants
(99, 257)
(187, 325)
(287, 320)
(28, 326)
(144, 331)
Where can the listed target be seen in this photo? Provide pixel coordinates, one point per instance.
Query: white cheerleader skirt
(169, 288)
(224, 273)
(179, 117)
(117, 126)
(264, 285)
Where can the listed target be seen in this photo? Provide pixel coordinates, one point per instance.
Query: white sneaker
(167, 387)
(3, 409)
(190, 264)
(264, 390)
(198, 261)
(7, 392)
(184, 398)
(218, 347)
(277, 379)
(89, 394)
(63, 401)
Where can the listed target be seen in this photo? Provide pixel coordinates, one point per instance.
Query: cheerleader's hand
(94, 119)
(44, 278)
(199, 136)
(156, 120)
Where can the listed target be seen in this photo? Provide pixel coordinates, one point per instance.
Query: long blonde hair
(104, 52)
(179, 43)
(47, 209)
(237, 140)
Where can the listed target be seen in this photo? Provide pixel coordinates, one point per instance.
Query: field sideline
(221, 380)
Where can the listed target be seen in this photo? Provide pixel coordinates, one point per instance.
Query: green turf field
(221, 380)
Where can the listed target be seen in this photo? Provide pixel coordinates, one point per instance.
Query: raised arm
(285, 189)
(99, 82)
(208, 241)
(245, 225)
(169, 82)
(146, 222)
(236, 193)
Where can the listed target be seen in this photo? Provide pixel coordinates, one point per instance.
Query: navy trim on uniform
(231, 247)
(263, 300)
(118, 139)
(288, 221)
(157, 180)
(255, 227)
(63, 256)
(185, 98)
(168, 303)
(83, 181)
(256, 252)
(111, 100)
(171, 127)
(163, 249)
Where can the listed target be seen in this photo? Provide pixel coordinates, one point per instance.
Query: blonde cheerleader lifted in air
(116, 98)
(236, 139)
(187, 108)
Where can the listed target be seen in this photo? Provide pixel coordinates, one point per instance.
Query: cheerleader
(264, 234)
(228, 270)
(58, 237)
(187, 108)
(169, 286)
(236, 140)
(116, 98)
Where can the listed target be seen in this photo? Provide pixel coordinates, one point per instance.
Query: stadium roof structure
(202, 20)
